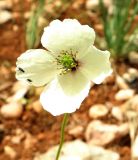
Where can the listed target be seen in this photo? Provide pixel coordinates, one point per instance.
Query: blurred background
(106, 125)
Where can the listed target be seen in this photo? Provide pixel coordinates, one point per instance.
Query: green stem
(64, 122)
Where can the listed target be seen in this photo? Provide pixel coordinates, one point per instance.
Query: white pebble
(101, 134)
(5, 4)
(117, 113)
(12, 110)
(5, 16)
(98, 110)
(121, 82)
(135, 148)
(124, 94)
(10, 152)
(76, 131)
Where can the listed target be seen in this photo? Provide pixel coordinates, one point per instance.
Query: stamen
(29, 80)
(20, 69)
(67, 61)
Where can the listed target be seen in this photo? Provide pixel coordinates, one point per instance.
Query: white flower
(67, 66)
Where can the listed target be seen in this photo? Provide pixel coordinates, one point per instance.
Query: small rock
(37, 107)
(20, 89)
(94, 4)
(99, 153)
(117, 113)
(135, 148)
(15, 28)
(133, 57)
(7, 138)
(18, 95)
(127, 77)
(133, 130)
(12, 110)
(10, 152)
(42, 21)
(69, 157)
(19, 85)
(99, 28)
(5, 16)
(18, 131)
(98, 133)
(98, 110)
(131, 104)
(76, 131)
(133, 72)
(121, 83)
(131, 75)
(78, 150)
(16, 139)
(29, 141)
(5, 4)
(27, 15)
(20, 135)
(124, 94)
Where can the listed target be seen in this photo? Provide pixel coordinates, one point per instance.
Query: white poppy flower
(68, 65)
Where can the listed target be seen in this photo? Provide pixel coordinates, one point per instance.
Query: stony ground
(27, 131)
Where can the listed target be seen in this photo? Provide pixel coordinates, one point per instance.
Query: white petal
(96, 65)
(73, 82)
(66, 35)
(55, 101)
(36, 66)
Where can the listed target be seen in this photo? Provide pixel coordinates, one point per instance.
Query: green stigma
(67, 61)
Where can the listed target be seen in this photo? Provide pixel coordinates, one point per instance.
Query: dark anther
(29, 80)
(20, 69)
(75, 67)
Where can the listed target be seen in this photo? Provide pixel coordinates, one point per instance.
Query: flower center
(67, 61)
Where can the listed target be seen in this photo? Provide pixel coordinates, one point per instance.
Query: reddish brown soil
(43, 127)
